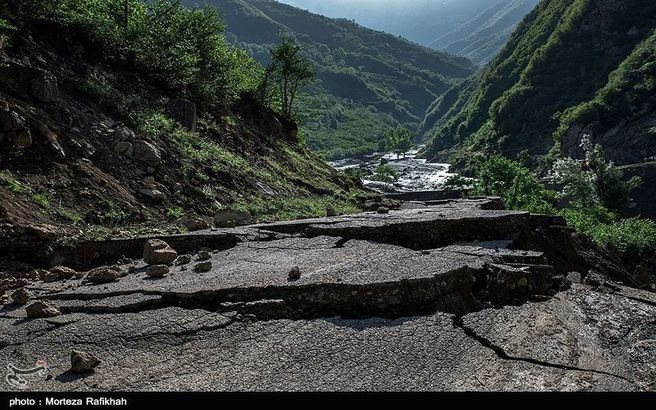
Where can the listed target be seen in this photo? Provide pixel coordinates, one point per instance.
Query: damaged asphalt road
(375, 302)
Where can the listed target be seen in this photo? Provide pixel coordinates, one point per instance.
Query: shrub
(516, 185)
(602, 183)
(385, 173)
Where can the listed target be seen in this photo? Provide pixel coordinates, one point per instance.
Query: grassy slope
(368, 80)
(559, 57)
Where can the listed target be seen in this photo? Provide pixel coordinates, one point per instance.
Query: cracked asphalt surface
(368, 314)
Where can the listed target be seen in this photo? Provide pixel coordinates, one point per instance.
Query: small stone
(330, 211)
(48, 276)
(42, 308)
(158, 252)
(63, 272)
(157, 271)
(103, 274)
(574, 277)
(183, 260)
(147, 152)
(82, 361)
(122, 147)
(383, 210)
(21, 296)
(594, 279)
(149, 182)
(153, 194)
(205, 266)
(295, 273)
(203, 256)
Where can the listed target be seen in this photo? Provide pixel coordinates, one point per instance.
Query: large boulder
(184, 112)
(147, 152)
(14, 128)
(158, 252)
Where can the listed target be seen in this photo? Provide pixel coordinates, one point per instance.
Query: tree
(287, 74)
(399, 141)
(601, 183)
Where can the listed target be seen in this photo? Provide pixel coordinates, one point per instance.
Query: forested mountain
(368, 81)
(571, 68)
(481, 38)
(476, 29)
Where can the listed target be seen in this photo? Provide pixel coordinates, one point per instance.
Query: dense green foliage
(399, 141)
(377, 80)
(385, 173)
(5, 31)
(601, 184)
(182, 49)
(520, 189)
(288, 72)
(516, 185)
(560, 56)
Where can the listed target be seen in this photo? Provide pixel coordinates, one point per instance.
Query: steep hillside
(481, 38)
(99, 139)
(476, 29)
(560, 56)
(368, 81)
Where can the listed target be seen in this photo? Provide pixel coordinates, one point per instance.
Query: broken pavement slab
(364, 315)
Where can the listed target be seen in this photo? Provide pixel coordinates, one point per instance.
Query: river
(415, 174)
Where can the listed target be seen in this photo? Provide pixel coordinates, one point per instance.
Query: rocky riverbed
(449, 295)
(415, 174)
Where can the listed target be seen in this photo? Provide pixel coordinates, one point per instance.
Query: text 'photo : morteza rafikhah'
(210, 199)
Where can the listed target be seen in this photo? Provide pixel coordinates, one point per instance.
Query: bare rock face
(158, 252)
(82, 362)
(42, 308)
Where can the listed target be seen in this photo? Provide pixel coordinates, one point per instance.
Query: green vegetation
(586, 191)
(399, 141)
(113, 216)
(267, 209)
(628, 88)
(182, 49)
(69, 215)
(10, 183)
(175, 213)
(368, 81)
(516, 185)
(5, 32)
(288, 72)
(602, 184)
(385, 173)
(554, 71)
